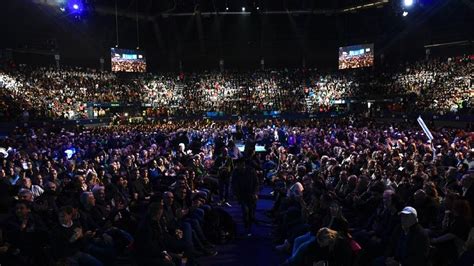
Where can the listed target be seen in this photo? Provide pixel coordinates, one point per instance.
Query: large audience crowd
(126, 65)
(437, 85)
(375, 195)
(351, 61)
(347, 192)
(441, 86)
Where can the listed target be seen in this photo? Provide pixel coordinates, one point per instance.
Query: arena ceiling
(197, 34)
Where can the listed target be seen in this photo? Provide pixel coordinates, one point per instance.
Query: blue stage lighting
(75, 6)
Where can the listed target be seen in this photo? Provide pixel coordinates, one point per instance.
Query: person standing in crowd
(245, 185)
(224, 166)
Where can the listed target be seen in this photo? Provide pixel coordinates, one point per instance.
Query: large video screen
(124, 60)
(356, 56)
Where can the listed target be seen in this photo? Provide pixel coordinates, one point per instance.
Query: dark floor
(256, 250)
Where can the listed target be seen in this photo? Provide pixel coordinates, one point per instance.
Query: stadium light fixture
(76, 7)
(408, 3)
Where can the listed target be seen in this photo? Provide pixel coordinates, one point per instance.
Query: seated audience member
(36, 190)
(151, 243)
(189, 228)
(47, 205)
(25, 234)
(409, 245)
(68, 240)
(467, 183)
(332, 248)
(378, 232)
(302, 244)
(427, 209)
(455, 233)
(467, 257)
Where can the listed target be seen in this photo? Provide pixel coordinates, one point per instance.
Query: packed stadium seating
(437, 85)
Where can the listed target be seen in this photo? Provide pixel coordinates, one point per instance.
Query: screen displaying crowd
(436, 85)
(347, 192)
(123, 60)
(356, 56)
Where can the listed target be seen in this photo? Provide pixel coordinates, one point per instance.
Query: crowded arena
(441, 85)
(256, 133)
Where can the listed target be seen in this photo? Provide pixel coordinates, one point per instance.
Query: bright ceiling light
(408, 2)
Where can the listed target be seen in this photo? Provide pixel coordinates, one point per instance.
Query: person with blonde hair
(326, 237)
(334, 247)
(330, 247)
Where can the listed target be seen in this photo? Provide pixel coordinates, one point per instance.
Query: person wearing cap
(409, 245)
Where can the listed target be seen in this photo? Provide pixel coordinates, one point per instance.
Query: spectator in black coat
(455, 233)
(245, 185)
(137, 188)
(47, 205)
(376, 235)
(150, 239)
(467, 183)
(68, 239)
(25, 233)
(467, 257)
(427, 209)
(451, 182)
